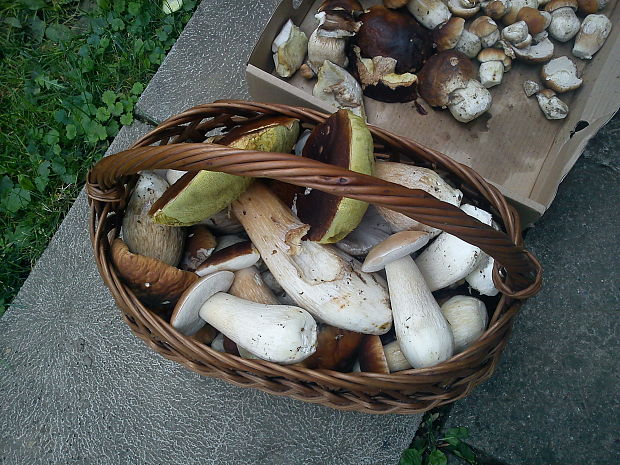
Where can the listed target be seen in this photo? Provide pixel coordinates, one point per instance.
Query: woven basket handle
(522, 271)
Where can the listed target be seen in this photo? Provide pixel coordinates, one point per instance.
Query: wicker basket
(179, 140)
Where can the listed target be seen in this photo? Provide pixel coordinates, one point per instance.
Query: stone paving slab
(208, 61)
(555, 396)
(78, 388)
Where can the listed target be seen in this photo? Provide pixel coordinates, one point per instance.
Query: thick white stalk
(278, 333)
(422, 331)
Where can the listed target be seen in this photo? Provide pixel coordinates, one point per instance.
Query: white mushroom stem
(338, 87)
(564, 24)
(481, 279)
(423, 333)
(468, 320)
(278, 333)
(468, 103)
(592, 35)
(551, 106)
(430, 13)
(326, 48)
(491, 73)
(318, 277)
(449, 259)
(469, 44)
(395, 358)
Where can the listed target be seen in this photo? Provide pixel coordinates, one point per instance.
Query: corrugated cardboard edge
(596, 106)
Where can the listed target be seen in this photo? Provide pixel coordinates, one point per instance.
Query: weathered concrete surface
(555, 396)
(208, 61)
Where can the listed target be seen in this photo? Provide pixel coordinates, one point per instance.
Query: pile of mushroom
(384, 52)
(306, 278)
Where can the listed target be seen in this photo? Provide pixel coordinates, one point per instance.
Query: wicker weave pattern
(517, 273)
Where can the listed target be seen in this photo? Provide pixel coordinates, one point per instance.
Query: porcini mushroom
(530, 88)
(468, 319)
(200, 194)
(538, 53)
(469, 44)
(414, 177)
(514, 7)
(395, 358)
(564, 22)
(372, 229)
(496, 9)
(289, 49)
(421, 330)
(336, 349)
(140, 233)
(516, 33)
(588, 7)
(377, 358)
(449, 259)
(551, 106)
(395, 4)
(493, 64)
(322, 48)
(468, 103)
(535, 20)
(486, 29)
(592, 34)
(560, 75)
(430, 13)
(317, 277)
(199, 246)
(447, 35)
(157, 284)
(443, 73)
(277, 333)
(336, 24)
(481, 278)
(223, 223)
(464, 8)
(337, 87)
(232, 258)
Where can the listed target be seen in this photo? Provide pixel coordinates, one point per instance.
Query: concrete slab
(555, 396)
(78, 388)
(208, 61)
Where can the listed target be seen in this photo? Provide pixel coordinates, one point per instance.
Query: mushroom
(551, 106)
(535, 20)
(560, 75)
(564, 22)
(392, 34)
(301, 142)
(322, 48)
(443, 73)
(467, 103)
(341, 140)
(306, 72)
(372, 229)
(395, 358)
(530, 88)
(592, 35)
(539, 53)
(338, 88)
(249, 285)
(289, 49)
(232, 258)
(379, 80)
(421, 330)
(464, 8)
(336, 349)
(205, 335)
(496, 9)
(173, 176)
(449, 259)
(277, 333)
(468, 319)
(516, 6)
(469, 44)
(318, 277)
(352, 7)
(395, 4)
(199, 246)
(447, 35)
(223, 223)
(140, 233)
(201, 194)
(493, 64)
(372, 356)
(430, 13)
(587, 7)
(486, 29)
(157, 284)
(481, 279)
(414, 177)
(516, 33)
(336, 24)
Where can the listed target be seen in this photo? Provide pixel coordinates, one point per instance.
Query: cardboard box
(513, 146)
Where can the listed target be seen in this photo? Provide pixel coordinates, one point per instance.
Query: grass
(71, 73)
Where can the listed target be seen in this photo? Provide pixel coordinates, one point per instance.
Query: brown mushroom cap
(588, 7)
(447, 35)
(395, 4)
(555, 4)
(496, 9)
(199, 245)
(372, 356)
(483, 26)
(336, 349)
(443, 73)
(532, 17)
(232, 258)
(157, 284)
(390, 33)
(494, 54)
